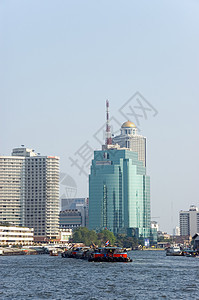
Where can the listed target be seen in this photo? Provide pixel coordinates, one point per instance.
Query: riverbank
(154, 249)
(8, 251)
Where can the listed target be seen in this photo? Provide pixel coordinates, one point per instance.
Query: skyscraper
(129, 138)
(32, 197)
(119, 189)
(119, 193)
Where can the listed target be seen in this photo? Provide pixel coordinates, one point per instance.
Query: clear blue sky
(60, 61)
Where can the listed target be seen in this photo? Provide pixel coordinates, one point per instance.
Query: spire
(108, 131)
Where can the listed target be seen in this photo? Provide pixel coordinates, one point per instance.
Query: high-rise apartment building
(189, 221)
(119, 192)
(129, 138)
(11, 189)
(37, 192)
(41, 206)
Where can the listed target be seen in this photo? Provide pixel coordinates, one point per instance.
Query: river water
(151, 275)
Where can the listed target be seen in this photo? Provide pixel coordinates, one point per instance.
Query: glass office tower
(119, 193)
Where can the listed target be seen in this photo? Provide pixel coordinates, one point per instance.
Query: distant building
(155, 225)
(164, 235)
(80, 204)
(70, 218)
(129, 138)
(154, 231)
(29, 192)
(176, 231)
(189, 221)
(13, 235)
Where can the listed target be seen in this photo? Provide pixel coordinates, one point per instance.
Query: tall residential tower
(29, 192)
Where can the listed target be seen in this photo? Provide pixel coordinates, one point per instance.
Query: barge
(102, 254)
(110, 254)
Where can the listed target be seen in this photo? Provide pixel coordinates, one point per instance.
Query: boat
(191, 253)
(54, 252)
(101, 254)
(109, 254)
(174, 251)
(76, 252)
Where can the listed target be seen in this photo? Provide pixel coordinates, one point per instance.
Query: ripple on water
(151, 275)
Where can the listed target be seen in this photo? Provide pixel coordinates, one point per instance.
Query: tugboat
(109, 254)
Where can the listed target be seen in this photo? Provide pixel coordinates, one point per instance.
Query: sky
(61, 60)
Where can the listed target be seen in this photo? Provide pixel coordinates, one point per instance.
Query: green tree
(83, 235)
(106, 235)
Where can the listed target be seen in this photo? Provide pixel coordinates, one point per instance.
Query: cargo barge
(102, 254)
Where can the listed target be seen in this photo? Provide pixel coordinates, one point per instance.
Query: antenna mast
(108, 131)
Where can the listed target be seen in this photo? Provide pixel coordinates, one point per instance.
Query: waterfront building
(41, 206)
(119, 192)
(13, 235)
(129, 138)
(30, 195)
(196, 241)
(189, 221)
(65, 235)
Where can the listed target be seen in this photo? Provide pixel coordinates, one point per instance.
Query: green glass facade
(119, 193)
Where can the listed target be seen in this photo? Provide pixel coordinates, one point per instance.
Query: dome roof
(128, 124)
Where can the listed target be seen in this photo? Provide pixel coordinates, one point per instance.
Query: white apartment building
(129, 138)
(189, 221)
(176, 231)
(12, 235)
(37, 205)
(11, 189)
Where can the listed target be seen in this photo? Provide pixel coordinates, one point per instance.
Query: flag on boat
(107, 243)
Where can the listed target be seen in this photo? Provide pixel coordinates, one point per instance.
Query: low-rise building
(65, 235)
(15, 235)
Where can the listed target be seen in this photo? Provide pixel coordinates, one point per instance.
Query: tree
(128, 242)
(106, 235)
(83, 235)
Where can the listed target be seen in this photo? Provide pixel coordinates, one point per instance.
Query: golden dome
(128, 124)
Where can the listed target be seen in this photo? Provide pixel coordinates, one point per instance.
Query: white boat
(173, 251)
